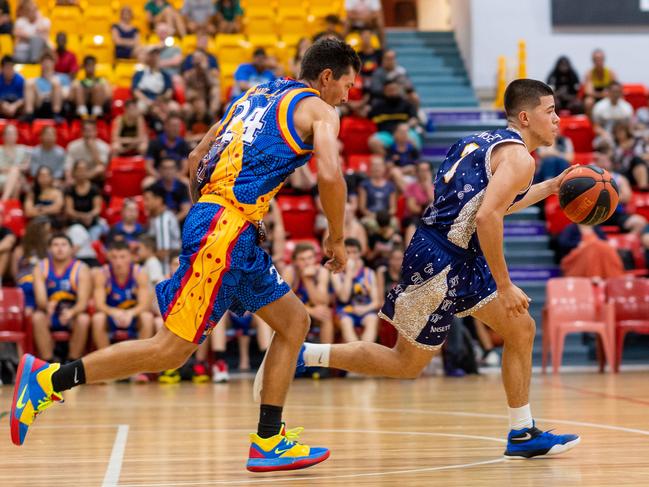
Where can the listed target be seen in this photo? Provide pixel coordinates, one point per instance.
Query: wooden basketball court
(433, 431)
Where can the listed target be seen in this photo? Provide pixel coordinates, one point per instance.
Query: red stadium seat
(15, 327)
(579, 129)
(636, 95)
(62, 132)
(354, 134)
(24, 133)
(358, 163)
(298, 213)
(582, 158)
(113, 212)
(124, 176)
(639, 204)
(120, 95)
(630, 298)
(103, 130)
(555, 219)
(12, 217)
(630, 242)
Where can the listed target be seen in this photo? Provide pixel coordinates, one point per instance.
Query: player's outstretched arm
(539, 192)
(195, 158)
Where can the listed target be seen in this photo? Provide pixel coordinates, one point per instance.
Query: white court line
(116, 457)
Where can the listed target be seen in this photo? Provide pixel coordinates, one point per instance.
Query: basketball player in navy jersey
(455, 265)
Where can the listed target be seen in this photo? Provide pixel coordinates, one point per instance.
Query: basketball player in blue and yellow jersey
(235, 171)
(122, 298)
(455, 265)
(62, 288)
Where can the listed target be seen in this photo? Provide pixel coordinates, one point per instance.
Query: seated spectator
(199, 16)
(91, 93)
(168, 145)
(27, 254)
(129, 132)
(83, 202)
(332, 29)
(14, 159)
(62, 288)
(553, 160)
(163, 225)
(371, 58)
(151, 85)
(202, 42)
(6, 25)
(364, 14)
(597, 81)
(176, 192)
(128, 228)
(387, 113)
(565, 82)
(7, 243)
(402, 156)
(44, 95)
(275, 243)
(353, 228)
(12, 89)
(158, 11)
(148, 259)
(382, 240)
(252, 74)
(296, 61)
(228, 16)
(377, 193)
(66, 66)
(391, 71)
(171, 56)
(309, 280)
(611, 110)
(126, 36)
(31, 34)
(631, 155)
(198, 122)
(48, 154)
(357, 296)
(621, 218)
(388, 275)
(202, 82)
(587, 254)
(90, 149)
(44, 199)
(122, 297)
(419, 194)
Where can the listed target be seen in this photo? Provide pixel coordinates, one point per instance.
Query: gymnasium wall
(487, 29)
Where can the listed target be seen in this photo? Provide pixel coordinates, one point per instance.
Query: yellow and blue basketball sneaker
(33, 394)
(532, 442)
(282, 452)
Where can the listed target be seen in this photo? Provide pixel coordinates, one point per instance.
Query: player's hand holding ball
(588, 195)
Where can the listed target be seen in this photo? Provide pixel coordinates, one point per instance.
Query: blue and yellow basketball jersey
(124, 295)
(256, 148)
(61, 288)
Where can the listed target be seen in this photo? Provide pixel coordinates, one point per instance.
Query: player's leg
(79, 335)
(100, 330)
(370, 324)
(42, 335)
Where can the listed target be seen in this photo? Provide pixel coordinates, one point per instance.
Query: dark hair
(7, 59)
(148, 241)
(48, 55)
(37, 186)
(614, 83)
(57, 236)
(522, 94)
(89, 58)
(76, 163)
(260, 51)
(332, 19)
(118, 244)
(331, 54)
(129, 102)
(35, 239)
(302, 247)
(383, 218)
(156, 191)
(353, 242)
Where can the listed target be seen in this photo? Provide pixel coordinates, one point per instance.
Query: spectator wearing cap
(12, 89)
(252, 74)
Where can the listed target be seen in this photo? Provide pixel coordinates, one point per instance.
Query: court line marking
(114, 468)
(605, 395)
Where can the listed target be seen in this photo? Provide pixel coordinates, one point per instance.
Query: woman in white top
(32, 32)
(13, 159)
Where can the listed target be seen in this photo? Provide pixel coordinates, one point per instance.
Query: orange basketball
(588, 195)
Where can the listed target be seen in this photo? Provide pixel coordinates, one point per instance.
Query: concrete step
(425, 80)
(517, 258)
(540, 242)
(529, 213)
(412, 60)
(449, 50)
(449, 102)
(419, 69)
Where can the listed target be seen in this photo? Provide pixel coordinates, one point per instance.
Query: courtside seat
(124, 176)
(555, 219)
(299, 214)
(15, 327)
(636, 95)
(583, 158)
(13, 217)
(631, 243)
(579, 129)
(354, 134)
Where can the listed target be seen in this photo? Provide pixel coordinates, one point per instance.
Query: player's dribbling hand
(515, 301)
(335, 250)
(556, 181)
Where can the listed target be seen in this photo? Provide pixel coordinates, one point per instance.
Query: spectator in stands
(597, 81)
(126, 36)
(151, 85)
(275, 243)
(387, 275)
(198, 121)
(91, 94)
(66, 65)
(252, 74)
(390, 70)
(228, 16)
(365, 14)
(202, 43)
(199, 16)
(62, 287)
(387, 113)
(128, 228)
(419, 194)
(83, 201)
(31, 249)
(90, 149)
(14, 159)
(296, 61)
(309, 280)
(587, 254)
(44, 95)
(383, 239)
(621, 218)
(565, 82)
(31, 34)
(553, 160)
(610, 110)
(6, 25)
(357, 296)
(333, 26)
(171, 56)
(129, 133)
(149, 260)
(44, 199)
(402, 157)
(168, 145)
(176, 192)
(163, 224)
(158, 11)
(48, 154)
(7, 243)
(202, 81)
(12, 89)
(377, 193)
(371, 57)
(122, 297)
(631, 155)
(354, 228)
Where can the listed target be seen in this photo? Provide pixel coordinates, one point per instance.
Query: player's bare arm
(195, 158)
(539, 192)
(513, 169)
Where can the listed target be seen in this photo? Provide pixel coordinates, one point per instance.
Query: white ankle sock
(520, 418)
(316, 354)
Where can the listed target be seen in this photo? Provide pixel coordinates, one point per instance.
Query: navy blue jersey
(461, 184)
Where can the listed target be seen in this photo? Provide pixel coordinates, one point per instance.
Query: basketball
(588, 195)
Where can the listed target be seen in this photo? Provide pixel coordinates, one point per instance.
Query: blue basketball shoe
(532, 442)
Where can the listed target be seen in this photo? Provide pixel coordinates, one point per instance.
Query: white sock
(316, 354)
(520, 418)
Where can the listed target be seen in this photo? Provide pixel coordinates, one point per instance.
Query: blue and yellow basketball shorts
(221, 268)
(27, 286)
(438, 280)
(113, 328)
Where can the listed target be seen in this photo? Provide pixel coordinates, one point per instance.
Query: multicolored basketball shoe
(33, 394)
(532, 442)
(282, 452)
